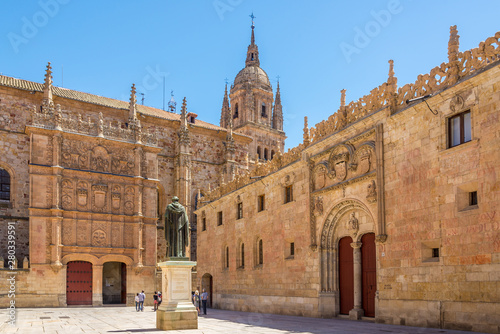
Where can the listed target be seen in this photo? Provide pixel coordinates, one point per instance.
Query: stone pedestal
(176, 310)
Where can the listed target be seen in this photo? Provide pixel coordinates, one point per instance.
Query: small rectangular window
(204, 224)
(473, 198)
(239, 214)
(219, 218)
(292, 249)
(288, 194)
(435, 252)
(261, 201)
(459, 129)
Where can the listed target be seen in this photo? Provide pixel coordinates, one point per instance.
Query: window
(241, 259)
(203, 224)
(261, 253)
(261, 201)
(4, 185)
(235, 115)
(219, 218)
(259, 155)
(288, 194)
(435, 252)
(239, 211)
(227, 257)
(263, 110)
(265, 154)
(272, 154)
(290, 250)
(473, 198)
(459, 129)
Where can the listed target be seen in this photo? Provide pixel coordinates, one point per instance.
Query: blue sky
(316, 47)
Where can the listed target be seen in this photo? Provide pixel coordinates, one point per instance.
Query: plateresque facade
(85, 180)
(388, 209)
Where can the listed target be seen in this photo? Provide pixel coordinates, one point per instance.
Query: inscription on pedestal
(179, 285)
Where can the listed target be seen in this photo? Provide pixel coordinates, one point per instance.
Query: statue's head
(175, 199)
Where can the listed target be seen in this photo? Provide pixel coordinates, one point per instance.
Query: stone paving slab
(124, 320)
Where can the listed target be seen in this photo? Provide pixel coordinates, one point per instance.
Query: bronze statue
(176, 229)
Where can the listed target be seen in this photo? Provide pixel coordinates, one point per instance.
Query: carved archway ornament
(332, 220)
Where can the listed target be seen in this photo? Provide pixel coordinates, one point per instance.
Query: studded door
(79, 283)
(346, 275)
(369, 273)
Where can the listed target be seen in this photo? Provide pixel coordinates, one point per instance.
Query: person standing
(197, 301)
(204, 300)
(142, 297)
(155, 301)
(137, 302)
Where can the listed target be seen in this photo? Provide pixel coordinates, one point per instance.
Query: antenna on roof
(142, 99)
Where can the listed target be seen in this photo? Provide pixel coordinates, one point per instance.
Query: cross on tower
(252, 16)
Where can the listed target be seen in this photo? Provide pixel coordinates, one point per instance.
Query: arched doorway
(114, 283)
(207, 284)
(346, 275)
(79, 283)
(369, 273)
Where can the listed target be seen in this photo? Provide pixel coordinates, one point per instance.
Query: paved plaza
(126, 320)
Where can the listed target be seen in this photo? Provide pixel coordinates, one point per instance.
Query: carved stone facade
(90, 179)
(378, 196)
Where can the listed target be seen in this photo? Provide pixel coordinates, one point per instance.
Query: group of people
(139, 301)
(200, 301)
(140, 297)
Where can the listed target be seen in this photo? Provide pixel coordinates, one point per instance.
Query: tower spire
(47, 103)
(253, 50)
(225, 115)
(132, 114)
(278, 111)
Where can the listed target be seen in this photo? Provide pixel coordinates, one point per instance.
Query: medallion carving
(320, 172)
(99, 238)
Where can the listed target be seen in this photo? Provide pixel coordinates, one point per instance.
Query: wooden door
(124, 284)
(79, 283)
(346, 275)
(369, 273)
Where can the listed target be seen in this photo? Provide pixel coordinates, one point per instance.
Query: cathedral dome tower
(251, 107)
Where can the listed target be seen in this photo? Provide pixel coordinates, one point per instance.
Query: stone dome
(254, 75)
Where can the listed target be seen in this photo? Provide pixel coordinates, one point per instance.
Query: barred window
(4, 185)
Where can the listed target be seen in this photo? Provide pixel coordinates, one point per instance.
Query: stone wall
(394, 172)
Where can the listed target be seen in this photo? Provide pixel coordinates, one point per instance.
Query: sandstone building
(85, 180)
(388, 209)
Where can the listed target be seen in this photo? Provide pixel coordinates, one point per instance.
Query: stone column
(97, 285)
(357, 312)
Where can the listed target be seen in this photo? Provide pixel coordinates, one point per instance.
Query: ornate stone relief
(82, 234)
(99, 238)
(129, 200)
(116, 197)
(456, 103)
(99, 197)
(67, 194)
(82, 195)
(371, 195)
(100, 159)
(320, 172)
(288, 179)
(352, 225)
(318, 206)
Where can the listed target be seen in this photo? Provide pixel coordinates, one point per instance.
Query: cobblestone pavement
(124, 320)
